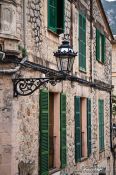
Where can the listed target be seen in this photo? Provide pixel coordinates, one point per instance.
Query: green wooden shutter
(63, 130)
(52, 15)
(89, 126)
(103, 48)
(77, 130)
(82, 42)
(44, 132)
(97, 45)
(101, 124)
(60, 16)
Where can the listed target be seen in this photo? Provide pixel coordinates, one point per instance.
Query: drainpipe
(24, 23)
(91, 37)
(111, 122)
(71, 28)
(112, 148)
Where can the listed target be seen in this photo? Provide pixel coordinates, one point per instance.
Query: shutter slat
(44, 133)
(77, 130)
(52, 15)
(101, 124)
(89, 126)
(63, 130)
(103, 49)
(82, 42)
(97, 45)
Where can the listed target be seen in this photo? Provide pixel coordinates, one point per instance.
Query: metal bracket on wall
(26, 86)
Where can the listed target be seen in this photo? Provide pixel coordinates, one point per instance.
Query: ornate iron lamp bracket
(26, 86)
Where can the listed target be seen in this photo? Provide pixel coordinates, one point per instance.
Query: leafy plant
(23, 50)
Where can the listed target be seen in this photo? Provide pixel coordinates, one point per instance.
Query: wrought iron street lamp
(65, 57)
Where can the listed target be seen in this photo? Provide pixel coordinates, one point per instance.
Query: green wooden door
(63, 130)
(44, 133)
(89, 126)
(77, 130)
(101, 124)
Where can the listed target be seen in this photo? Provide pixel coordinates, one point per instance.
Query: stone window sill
(54, 33)
(83, 159)
(55, 170)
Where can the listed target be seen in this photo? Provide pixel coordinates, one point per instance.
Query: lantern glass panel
(58, 59)
(70, 63)
(64, 64)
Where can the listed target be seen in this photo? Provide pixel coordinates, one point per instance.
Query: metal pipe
(24, 23)
(71, 27)
(112, 148)
(91, 37)
(17, 68)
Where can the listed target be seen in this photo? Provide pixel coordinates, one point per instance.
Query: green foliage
(23, 50)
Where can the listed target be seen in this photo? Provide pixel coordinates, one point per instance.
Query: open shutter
(103, 49)
(52, 15)
(63, 130)
(97, 45)
(60, 16)
(101, 124)
(44, 132)
(77, 130)
(82, 42)
(89, 126)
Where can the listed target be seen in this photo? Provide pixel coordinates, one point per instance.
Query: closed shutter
(101, 124)
(63, 130)
(89, 126)
(77, 130)
(97, 45)
(44, 133)
(60, 16)
(52, 15)
(82, 42)
(103, 49)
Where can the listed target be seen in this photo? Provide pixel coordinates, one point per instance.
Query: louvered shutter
(89, 126)
(101, 124)
(103, 48)
(60, 16)
(97, 45)
(63, 130)
(77, 130)
(44, 132)
(52, 15)
(82, 42)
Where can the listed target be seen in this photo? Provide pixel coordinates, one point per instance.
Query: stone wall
(19, 117)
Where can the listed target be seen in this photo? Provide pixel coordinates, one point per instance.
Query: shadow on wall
(26, 168)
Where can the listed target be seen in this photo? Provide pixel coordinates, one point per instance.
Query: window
(100, 47)
(101, 124)
(56, 16)
(82, 128)
(82, 42)
(52, 144)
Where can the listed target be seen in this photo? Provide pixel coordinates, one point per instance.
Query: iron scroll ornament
(27, 86)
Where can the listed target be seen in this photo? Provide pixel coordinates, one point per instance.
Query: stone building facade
(24, 28)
